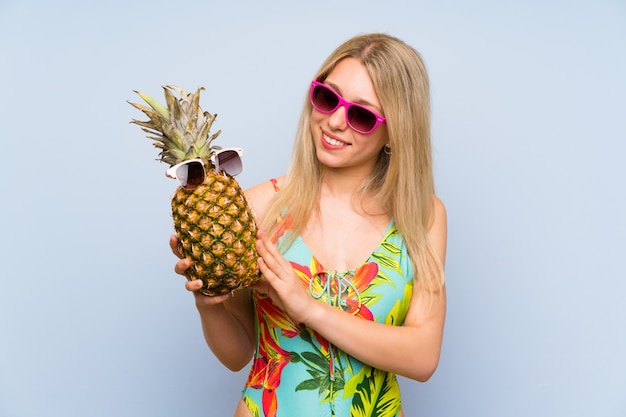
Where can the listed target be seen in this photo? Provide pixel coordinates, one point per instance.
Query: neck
(339, 189)
(341, 182)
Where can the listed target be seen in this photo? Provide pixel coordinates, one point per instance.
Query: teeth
(333, 142)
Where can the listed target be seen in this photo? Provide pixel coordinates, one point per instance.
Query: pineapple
(213, 222)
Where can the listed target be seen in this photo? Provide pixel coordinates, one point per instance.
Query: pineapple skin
(217, 232)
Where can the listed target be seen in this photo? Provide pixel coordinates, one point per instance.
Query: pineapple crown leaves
(181, 129)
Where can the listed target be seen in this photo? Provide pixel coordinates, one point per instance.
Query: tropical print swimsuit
(296, 372)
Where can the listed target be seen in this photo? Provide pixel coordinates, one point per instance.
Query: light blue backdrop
(529, 139)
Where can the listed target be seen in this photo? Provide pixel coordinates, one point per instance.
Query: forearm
(412, 351)
(227, 334)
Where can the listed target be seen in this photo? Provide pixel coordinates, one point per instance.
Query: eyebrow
(359, 101)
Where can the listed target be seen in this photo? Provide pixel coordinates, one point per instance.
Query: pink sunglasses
(326, 100)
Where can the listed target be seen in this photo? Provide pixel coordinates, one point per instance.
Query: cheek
(379, 137)
(316, 120)
(381, 133)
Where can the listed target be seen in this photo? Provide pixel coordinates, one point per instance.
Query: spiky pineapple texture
(213, 222)
(217, 231)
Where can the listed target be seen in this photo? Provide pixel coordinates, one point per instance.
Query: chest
(379, 288)
(343, 240)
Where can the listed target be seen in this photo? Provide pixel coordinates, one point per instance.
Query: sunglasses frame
(346, 104)
(171, 172)
(215, 160)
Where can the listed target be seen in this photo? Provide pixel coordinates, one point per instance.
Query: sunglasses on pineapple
(326, 100)
(190, 174)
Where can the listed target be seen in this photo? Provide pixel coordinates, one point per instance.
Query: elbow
(424, 376)
(235, 364)
(236, 367)
(234, 360)
(424, 371)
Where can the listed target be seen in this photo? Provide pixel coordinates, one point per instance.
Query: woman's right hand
(194, 286)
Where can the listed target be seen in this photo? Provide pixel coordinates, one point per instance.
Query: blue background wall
(529, 140)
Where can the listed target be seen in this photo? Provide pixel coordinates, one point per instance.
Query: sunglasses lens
(230, 162)
(190, 175)
(326, 100)
(361, 119)
(323, 99)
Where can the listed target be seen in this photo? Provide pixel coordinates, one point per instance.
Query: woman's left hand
(281, 283)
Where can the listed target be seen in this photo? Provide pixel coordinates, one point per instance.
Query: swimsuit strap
(275, 184)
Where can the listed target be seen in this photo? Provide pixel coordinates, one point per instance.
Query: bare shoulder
(260, 195)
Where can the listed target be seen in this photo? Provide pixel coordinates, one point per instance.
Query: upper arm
(428, 307)
(438, 232)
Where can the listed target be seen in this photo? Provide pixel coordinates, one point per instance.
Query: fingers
(194, 285)
(182, 266)
(281, 283)
(265, 247)
(271, 263)
(265, 271)
(265, 256)
(174, 246)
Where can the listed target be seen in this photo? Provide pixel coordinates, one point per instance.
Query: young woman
(352, 246)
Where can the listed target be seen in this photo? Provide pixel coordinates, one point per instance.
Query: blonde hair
(402, 184)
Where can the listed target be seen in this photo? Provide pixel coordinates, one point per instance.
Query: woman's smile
(331, 142)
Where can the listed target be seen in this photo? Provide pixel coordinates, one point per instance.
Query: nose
(337, 119)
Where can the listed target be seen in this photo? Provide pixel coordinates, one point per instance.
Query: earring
(387, 149)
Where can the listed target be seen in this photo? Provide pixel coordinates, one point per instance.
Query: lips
(327, 140)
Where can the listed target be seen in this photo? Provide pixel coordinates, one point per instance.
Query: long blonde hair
(402, 184)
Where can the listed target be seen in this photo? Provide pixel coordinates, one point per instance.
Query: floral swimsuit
(296, 372)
